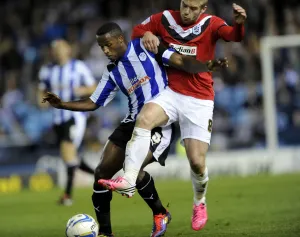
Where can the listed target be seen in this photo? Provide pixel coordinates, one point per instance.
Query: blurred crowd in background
(28, 26)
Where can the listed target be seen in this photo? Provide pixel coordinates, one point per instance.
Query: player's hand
(239, 14)
(217, 64)
(53, 100)
(151, 42)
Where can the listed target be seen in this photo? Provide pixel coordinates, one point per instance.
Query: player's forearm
(181, 62)
(85, 90)
(232, 33)
(187, 64)
(79, 105)
(192, 65)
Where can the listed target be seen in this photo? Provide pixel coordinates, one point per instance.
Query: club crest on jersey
(142, 56)
(186, 50)
(196, 29)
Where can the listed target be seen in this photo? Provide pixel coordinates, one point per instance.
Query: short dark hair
(110, 27)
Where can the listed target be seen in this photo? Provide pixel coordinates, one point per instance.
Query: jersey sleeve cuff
(93, 98)
(167, 55)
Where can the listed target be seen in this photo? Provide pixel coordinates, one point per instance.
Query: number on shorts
(156, 138)
(210, 124)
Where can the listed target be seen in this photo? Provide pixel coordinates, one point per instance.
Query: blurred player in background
(135, 72)
(191, 32)
(70, 79)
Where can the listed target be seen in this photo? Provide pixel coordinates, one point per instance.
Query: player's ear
(203, 9)
(121, 39)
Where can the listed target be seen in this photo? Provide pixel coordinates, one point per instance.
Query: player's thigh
(196, 152)
(111, 161)
(195, 139)
(151, 116)
(159, 111)
(68, 149)
(68, 152)
(195, 119)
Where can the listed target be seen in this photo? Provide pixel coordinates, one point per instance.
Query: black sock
(101, 201)
(70, 178)
(85, 167)
(147, 191)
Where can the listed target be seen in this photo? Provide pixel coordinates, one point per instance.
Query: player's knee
(144, 120)
(197, 162)
(100, 173)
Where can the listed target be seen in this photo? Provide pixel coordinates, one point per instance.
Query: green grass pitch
(264, 205)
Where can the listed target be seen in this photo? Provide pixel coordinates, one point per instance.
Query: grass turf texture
(267, 206)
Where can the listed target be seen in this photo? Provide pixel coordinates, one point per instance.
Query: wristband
(167, 55)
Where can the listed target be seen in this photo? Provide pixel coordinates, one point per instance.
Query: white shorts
(194, 115)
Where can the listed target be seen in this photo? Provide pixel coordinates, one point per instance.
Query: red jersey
(197, 40)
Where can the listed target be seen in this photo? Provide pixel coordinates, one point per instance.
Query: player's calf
(101, 199)
(147, 191)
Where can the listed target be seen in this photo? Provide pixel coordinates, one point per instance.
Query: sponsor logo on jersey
(137, 83)
(186, 50)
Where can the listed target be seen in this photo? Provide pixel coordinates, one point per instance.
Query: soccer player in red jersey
(189, 99)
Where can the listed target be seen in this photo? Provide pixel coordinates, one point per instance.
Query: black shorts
(72, 130)
(63, 130)
(161, 139)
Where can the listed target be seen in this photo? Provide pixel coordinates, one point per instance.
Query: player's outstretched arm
(85, 90)
(231, 33)
(80, 105)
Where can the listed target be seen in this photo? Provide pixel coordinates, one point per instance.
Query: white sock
(136, 152)
(200, 183)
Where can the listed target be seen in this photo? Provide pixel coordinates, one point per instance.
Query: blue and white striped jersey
(137, 74)
(63, 80)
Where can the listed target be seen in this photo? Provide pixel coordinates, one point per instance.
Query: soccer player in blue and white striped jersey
(138, 74)
(70, 79)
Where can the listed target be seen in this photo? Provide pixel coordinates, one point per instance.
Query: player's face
(190, 10)
(60, 49)
(112, 46)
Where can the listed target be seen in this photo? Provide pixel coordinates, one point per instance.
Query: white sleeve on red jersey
(151, 24)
